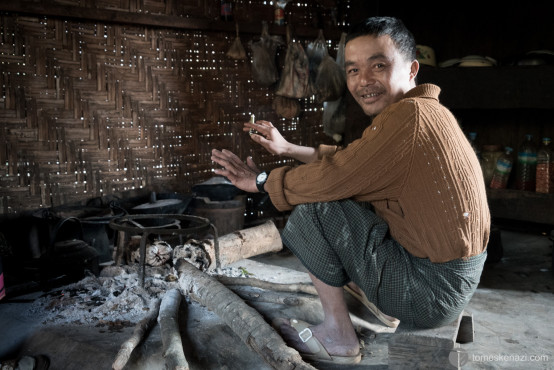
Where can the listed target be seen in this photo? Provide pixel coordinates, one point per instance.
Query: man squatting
(398, 217)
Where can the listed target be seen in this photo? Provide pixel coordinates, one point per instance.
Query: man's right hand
(271, 139)
(268, 136)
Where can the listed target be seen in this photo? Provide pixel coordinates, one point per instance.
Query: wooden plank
(428, 348)
(444, 336)
(521, 205)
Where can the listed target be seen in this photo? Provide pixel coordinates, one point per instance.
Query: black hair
(393, 27)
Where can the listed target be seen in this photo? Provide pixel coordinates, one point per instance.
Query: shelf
(509, 87)
(521, 205)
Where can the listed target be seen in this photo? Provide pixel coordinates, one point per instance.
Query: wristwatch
(260, 181)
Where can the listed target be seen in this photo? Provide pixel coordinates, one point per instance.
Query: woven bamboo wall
(89, 109)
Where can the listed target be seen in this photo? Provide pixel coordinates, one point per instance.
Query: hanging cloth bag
(316, 52)
(236, 51)
(330, 81)
(286, 107)
(334, 111)
(264, 68)
(295, 76)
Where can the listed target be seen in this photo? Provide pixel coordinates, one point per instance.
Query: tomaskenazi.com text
(510, 358)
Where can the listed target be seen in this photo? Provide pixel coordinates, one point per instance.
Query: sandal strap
(306, 336)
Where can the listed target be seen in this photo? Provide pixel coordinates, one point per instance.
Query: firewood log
(240, 244)
(141, 329)
(264, 296)
(314, 304)
(169, 326)
(262, 284)
(244, 320)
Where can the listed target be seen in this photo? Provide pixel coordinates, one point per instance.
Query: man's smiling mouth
(371, 95)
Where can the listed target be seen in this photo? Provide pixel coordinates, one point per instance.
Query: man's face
(377, 75)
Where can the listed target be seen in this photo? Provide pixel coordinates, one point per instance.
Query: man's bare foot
(336, 342)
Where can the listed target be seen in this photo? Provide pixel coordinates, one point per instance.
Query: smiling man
(399, 218)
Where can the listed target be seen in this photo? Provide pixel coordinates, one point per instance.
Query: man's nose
(366, 77)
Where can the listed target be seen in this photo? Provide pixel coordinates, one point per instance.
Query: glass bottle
(489, 156)
(526, 165)
(502, 170)
(280, 12)
(226, 10)
(545, 168)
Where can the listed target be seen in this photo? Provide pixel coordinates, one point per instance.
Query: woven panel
(90, 109)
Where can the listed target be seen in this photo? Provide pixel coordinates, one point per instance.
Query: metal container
(226, 215)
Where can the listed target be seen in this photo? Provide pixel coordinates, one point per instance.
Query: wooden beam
(154, 20)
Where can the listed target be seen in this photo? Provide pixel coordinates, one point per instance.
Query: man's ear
(414, 69)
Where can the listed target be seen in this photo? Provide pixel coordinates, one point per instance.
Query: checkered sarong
(345, 241)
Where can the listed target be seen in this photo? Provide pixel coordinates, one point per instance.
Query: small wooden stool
(437, 348)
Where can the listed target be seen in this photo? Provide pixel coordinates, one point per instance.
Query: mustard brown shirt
(415, 166)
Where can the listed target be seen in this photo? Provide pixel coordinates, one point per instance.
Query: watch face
(261, 177)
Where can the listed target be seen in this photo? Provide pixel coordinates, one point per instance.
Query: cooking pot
(477, 61)
(99, 235)
(537, 57)
(93, 227)
(217, 188)
(170, 204)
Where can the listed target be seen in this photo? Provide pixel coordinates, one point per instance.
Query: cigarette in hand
(252, 120)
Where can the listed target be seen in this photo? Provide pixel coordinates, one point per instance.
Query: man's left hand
(242, 175)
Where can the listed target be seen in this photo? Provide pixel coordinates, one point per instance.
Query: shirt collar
(424, 91)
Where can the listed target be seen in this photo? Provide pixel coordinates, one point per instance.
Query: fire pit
(142, 224)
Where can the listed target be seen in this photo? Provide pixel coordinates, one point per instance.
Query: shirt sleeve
(324, 150)
(371, 168)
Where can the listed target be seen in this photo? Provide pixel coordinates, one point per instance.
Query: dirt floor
(512, 312)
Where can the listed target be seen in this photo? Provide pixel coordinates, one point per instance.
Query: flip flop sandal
(319, 353)
(371, 307)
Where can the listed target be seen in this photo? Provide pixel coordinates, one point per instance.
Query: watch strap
(260, 184)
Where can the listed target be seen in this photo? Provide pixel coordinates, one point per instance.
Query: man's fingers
(225, 157)
(257, 138)
(266, 123)
(252, 165)
(233, 159)
(223, 160)
(260, 127)
(233, 166)
(227, 167)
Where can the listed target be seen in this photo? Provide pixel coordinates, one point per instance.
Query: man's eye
(352, 70)
(379, 65)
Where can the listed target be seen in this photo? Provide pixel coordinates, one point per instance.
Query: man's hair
(393, 27)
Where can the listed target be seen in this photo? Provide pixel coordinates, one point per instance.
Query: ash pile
(115, 297)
